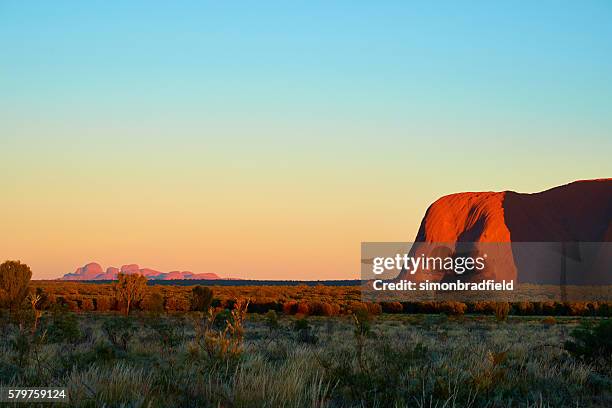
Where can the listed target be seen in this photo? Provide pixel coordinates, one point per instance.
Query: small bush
(290, 307)
(104, 303)
(177, 304)
(450, 308)
(272, 321)
(303, 308)
(201, 298)
(64, 325)
(168, 333)
(392, 307)
(226, 345)
(592, 343)
(502, 310)
(119, 331)
(154, 302)
(14, 280)
(304, 332)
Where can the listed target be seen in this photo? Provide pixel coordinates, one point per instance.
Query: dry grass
(408, 360)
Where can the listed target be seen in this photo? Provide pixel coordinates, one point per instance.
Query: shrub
(322, 309)
(301, 324)
(605, 309)
(103, 303)
(224, 345)
(87, 305)
(272, 320)
(353, 307)
(119, 331)
(374, 308)
(549, 307)
(262, 305)
(392, 307)
(361, 318)
(290, 307)
(154, 302)
(485, 307)
(45, 302)
(64, 325)
(221, 318)
(14, 280)
(304, 332)
(22, 345)
(502, 309)
(176, 303)
(451, 308)
(71, 304)
(303, 308)
(524, 308)
(169, 334)
(578, 309)
(201, 298)
(592, 343)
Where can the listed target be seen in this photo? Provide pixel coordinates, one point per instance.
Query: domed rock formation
(562, 223)
(93, 271)
(130, 268)
(87, 272)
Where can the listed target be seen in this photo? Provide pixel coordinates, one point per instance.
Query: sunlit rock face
(86, 272)
(561, 221)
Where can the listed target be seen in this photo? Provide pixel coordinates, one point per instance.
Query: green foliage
(101, 352)
(377, 378)
(22, 344)
(301, 324)
(415, 361)
(221, 318)
(592, 343)
(119, 331)
(169, 333)
(23, 316)
(64, 326)
(272, 321)
(221, 346)
(14, 280)
(304, 332)
(201, 298)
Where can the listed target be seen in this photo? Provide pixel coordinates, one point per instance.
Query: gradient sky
(268, 139)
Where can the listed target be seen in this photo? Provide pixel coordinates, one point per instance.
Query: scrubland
(127, 344)
(301, 299)
(230, 358)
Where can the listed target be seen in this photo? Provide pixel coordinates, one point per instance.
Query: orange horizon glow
(236, 241)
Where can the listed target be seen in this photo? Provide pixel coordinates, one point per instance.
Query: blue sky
(306, 109)
(522, 58)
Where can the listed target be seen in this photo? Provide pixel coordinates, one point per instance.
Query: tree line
(130, 292)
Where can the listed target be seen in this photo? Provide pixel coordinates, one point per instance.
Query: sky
(267, 140)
